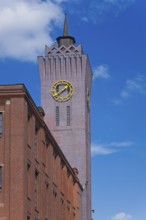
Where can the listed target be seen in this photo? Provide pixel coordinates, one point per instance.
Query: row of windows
(68, 116)
(66, 181)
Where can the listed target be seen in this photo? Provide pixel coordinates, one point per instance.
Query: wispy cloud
(136, 85)
(101, 71)
(99, 149)
(109, 148)
(122, 216)
(98, 10)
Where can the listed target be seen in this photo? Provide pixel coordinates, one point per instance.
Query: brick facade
(36, 180)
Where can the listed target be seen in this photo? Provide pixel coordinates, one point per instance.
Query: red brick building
(36, 180)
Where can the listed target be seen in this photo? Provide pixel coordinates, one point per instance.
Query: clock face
(62, 90)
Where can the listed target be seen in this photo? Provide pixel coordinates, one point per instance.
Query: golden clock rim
(66, 97)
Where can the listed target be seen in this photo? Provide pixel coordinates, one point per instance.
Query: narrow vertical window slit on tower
(57, 116)
(68, 115)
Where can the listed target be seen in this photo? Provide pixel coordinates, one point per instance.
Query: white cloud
(136, 85)
(119, 2)
(117, 101)
(60, 1)
(121, 144)
(98, 10)
(100, 149)
(122, 216)
(101, 71)
(26, 26)
(109, 148)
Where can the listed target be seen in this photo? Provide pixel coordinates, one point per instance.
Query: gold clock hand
(62, 90)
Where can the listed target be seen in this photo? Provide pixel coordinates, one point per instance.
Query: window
(57, 116)
(29, 180)
(68, 116)
(44, 150)
(36, 188)
(46, 197)
(36, 142)
(1, 123)
(63, 179)
(55, 177)
(29, 131)
(0, 178)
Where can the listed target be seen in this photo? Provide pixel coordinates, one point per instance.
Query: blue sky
(113, 33)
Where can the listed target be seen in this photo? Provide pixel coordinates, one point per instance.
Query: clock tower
(66, 77)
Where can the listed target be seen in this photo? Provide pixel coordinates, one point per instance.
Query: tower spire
(65, 30)
(65, 39)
